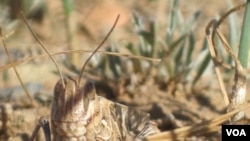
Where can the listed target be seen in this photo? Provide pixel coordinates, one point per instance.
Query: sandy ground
(94, 19)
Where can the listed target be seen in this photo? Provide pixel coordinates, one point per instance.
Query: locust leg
(44, 123)
(7, 112)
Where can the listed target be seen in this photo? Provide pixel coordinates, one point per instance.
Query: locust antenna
(99, 46)
(43, 46)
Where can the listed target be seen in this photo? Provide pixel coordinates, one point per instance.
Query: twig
(215, 60)
(203, 127)
(15, 69)
(20, 61)
(239, 87)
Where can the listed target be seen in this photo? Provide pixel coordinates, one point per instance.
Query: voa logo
(236, 132)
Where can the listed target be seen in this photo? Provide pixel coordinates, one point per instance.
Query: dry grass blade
(77, 51)
(42, 45)
(7, 35)
(32, 103)
(197, 129)
(239, 87)
(234, 9)
(215, 61)
(216, 58)
(218, 22)
(229, 50)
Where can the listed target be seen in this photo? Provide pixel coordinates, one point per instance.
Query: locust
(79, 114)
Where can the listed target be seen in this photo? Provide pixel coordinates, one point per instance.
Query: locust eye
(59, 87)
(89, 90)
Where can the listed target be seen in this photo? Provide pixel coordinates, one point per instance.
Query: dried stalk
(239, 87)
(32, 103)
(197, 129)
(20, 61)
(216, 64)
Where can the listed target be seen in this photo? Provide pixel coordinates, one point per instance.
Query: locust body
(78, 113)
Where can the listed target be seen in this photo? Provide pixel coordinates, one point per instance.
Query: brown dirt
(187, 105)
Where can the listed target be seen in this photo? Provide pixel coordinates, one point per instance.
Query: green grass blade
(190, 48)
(244, 40)
(172, 20)
(203, 65)
(114, 62)
(67, 6)
(175, 43)
(191, 22)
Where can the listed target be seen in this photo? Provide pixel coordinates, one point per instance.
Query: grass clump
(175, 46)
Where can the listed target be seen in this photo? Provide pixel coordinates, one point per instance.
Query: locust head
(71, 102)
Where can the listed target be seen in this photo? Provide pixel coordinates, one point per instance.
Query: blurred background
(182, 85)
